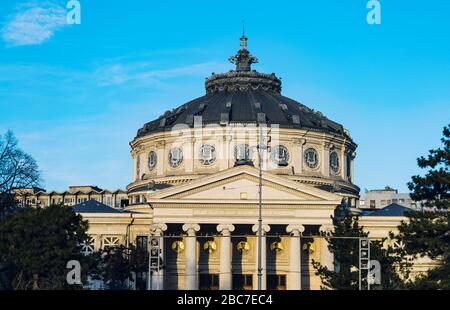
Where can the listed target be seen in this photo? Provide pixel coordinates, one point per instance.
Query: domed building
(219, 131)
(201, 169)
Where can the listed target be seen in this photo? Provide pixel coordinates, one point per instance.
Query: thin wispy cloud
(145, 73)
(104, 103)
(132, 71)
(33, 24)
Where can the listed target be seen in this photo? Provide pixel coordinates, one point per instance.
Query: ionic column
(326, 257)
(265, 229)
(295, 263)
(191, 278)
(157, 278)
(225, 278)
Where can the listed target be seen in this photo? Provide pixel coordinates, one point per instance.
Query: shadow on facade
(239, 257)
(309, 247)
(172, 256)
(276, 247)
(207, 279)
(305, 262)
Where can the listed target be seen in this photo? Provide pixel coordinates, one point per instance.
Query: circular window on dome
(175, 157)
(280, 155)
(152, 160)
(334, 162)
(207, 154)
(243, 153)
(311, 158)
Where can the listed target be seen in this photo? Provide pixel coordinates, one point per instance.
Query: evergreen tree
(116, 268)
(36, 244)
(427, 233)
(120, 265)
(344, 245)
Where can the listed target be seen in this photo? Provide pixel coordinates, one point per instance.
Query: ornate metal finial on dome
(243, 78)
(243, 59)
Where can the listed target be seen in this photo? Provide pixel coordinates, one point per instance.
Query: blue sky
(75, 95)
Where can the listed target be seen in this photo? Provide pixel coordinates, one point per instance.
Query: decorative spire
(243, 59)
(243, 38)
(243, 42)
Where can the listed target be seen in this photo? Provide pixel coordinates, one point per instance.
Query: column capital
(225, 138)
(329, 146)
(191, 229)
(189, 140)
(299, 141)
(295, 229)
(160, 143)
(350, 152)
(265, 228)
(225, 228)
(158, 228)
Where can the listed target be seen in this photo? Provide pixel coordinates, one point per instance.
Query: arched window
(280, 155)
(311, 158)
(207, 154)
(243, 153)
(334, 162)
(152, 160)
(175, 157)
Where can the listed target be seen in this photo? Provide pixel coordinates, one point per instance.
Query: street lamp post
(260, 148)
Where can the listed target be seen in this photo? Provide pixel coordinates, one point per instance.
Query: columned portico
(295, 263)
(265, 229)
(326, 257)
(225, 278)
(191, 278)
(157, 278)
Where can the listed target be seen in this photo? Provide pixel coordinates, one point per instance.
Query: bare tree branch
(17, 170)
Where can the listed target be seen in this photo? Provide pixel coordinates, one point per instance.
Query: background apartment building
(38, 197)
(380, 198)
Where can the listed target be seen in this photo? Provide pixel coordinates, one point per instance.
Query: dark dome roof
(243, 96)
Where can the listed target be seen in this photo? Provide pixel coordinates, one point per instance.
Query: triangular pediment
(242, 183)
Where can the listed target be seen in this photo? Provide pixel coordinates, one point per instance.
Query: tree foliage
(119, 264)
(343, 243)
(427, 233)
(36, 244)
(17, 169)
(433, 189)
